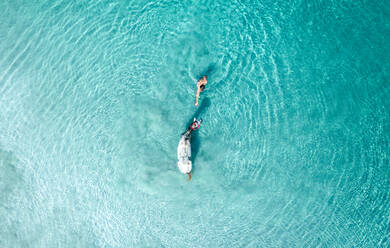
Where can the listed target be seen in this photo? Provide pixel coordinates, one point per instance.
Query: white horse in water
(184, 149)
(184, 155)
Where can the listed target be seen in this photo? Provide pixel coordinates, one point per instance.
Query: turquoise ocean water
(293, 150)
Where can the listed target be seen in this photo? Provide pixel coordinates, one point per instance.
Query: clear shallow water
(293, 152)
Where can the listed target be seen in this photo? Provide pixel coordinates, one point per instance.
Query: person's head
(205, 77)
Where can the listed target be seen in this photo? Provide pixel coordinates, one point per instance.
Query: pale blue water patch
(293, 151)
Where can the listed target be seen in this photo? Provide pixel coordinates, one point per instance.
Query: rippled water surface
(293, 150)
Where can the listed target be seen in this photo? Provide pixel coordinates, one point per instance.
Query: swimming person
(201, 84)
(184, 149)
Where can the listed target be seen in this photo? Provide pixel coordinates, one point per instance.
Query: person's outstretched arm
(197, 96)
